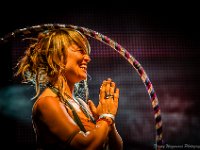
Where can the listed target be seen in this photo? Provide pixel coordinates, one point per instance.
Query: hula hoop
(121, 50)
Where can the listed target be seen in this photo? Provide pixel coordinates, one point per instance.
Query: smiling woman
(54, 63)
(77, 63)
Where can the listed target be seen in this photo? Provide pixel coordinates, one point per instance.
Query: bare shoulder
(47, 98)
(45, 103)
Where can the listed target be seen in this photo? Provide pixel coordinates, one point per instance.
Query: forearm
(115, 140)
(93, 139)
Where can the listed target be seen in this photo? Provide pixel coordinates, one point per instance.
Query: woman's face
(76, 67)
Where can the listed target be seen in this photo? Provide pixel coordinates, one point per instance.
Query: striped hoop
(106, 40)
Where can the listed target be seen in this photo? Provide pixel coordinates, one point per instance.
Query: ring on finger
(109, 96)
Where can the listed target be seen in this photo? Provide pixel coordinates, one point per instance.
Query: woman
(57, 65)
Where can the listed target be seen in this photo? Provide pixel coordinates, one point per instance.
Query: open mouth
(83, 67)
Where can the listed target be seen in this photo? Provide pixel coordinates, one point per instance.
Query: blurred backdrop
(165, 40)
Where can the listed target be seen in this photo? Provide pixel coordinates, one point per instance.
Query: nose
(87, 58)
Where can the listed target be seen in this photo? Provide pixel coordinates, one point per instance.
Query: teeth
(83, 67)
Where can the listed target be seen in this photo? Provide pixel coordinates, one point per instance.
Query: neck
(68, 87)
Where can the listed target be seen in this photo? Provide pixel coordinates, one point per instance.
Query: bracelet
(109, 121)
(107, 115)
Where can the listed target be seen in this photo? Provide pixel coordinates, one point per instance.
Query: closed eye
(81, 51)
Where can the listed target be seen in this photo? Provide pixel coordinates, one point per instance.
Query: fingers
(92, 107)
(108, 81)
(112, 88)
(105, 89)
(102, 91)
(116, 95)
(108, 98)
(108, 90)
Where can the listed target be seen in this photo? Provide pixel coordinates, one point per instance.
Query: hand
(108, 99)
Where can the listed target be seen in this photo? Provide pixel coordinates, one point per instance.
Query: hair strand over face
(45, 59)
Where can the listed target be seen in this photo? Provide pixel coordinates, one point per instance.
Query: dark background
(164, 38)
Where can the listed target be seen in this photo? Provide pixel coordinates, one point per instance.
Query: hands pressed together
(108, 100)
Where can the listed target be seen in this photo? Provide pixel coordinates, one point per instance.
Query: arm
(53, 114)
(115, 140)
(92, 139)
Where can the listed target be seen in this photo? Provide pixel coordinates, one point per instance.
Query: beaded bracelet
(107, 120)
(107, 115)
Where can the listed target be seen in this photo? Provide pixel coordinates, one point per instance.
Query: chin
(82, 78)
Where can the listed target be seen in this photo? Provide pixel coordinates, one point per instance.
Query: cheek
(73, 59)
(76, 60)
(71, 64)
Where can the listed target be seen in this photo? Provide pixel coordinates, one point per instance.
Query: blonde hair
(45, 59)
